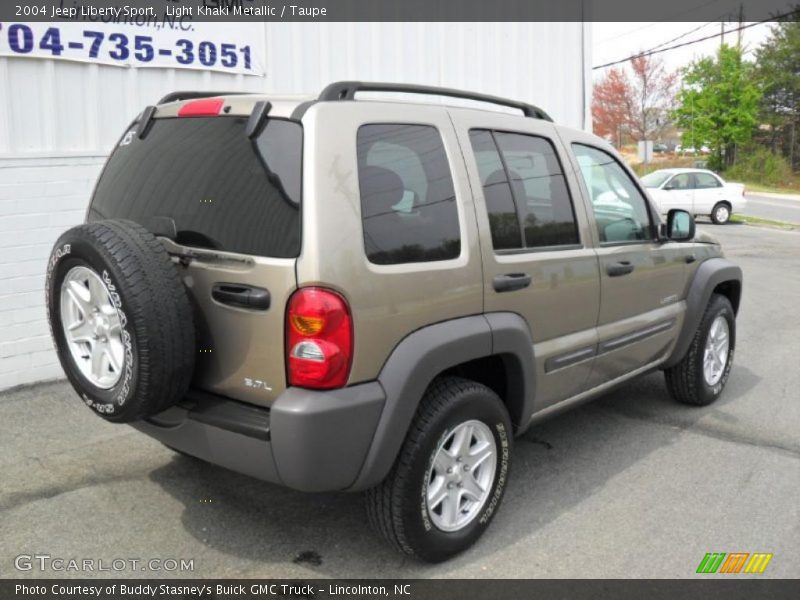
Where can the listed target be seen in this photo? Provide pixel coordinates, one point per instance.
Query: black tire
(685, 381)
(721, 217)
(397, 508)
(152, 304)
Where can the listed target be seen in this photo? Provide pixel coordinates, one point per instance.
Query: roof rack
(346, 90)
(176, 96)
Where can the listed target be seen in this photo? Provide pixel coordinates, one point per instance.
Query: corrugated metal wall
(57, 106)
(59, 119)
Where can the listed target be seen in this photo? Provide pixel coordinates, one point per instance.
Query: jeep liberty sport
(362, 294)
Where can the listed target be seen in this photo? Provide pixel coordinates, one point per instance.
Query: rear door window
(408, 203)
(706, 180)
(222, 190)
(525, 189)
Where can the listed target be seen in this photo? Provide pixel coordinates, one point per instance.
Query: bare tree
(653, 90)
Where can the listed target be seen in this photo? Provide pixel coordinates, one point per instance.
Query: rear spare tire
(120, 318)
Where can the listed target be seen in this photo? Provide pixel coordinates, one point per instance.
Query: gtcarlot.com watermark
(56, 564)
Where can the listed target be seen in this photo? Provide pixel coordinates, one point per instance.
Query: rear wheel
(721, 213)
(450, 475)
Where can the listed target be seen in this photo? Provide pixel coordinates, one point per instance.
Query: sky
(612, 41)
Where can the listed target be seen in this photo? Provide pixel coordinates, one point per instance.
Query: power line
(683, 35)
(689, 43)
(673, 17)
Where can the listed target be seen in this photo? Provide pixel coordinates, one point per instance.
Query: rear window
(222, 190)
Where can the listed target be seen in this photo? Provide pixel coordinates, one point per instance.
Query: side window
(620, 209)
(503, 218)
(408, 204)
(681, 181)
(706, 180)
(526, 193)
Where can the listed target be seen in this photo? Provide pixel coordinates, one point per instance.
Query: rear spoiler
(254, 123)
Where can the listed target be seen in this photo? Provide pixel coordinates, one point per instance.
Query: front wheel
(702, 374)
(721, 213)
(451, 473)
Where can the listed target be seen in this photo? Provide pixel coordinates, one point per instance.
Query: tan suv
(342, 294)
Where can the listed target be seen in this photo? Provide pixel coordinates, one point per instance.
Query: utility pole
(741, 23)
(722, 34)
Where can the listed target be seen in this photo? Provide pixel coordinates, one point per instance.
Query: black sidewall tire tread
(395, 507)
(685, 381)
(157, 308)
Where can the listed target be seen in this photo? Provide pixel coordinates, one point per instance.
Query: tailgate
(241, 349)
(226, 205)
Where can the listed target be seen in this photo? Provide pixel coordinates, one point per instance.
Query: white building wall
(58, 121)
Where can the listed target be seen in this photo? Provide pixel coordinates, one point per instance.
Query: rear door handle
(689, 258)
(511, 281)
(618, 269)
(241, 296)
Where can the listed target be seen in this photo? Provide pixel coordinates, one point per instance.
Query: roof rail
(346, 90)
(176, 96)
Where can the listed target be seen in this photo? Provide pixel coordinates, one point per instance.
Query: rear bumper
(307, 440)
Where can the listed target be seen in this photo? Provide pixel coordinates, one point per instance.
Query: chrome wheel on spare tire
(92, 327)
(461, 475)
(121, 319)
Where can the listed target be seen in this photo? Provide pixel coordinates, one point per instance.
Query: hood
(702, 237)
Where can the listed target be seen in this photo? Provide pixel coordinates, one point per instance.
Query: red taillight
(319, 339)
(208, 107)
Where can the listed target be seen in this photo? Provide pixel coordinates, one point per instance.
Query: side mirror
(680, 225)
(668, 187)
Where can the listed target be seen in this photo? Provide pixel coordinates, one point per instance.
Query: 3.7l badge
(257, 384)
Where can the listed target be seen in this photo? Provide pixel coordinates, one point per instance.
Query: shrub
(757, 164)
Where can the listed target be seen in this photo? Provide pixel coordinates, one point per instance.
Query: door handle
(511, 281)
(241, 296)
(618, 269)
(689, 258)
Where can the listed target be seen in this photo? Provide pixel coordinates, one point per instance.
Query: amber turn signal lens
(306, 325)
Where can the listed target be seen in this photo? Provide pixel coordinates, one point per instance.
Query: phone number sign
(226, 47)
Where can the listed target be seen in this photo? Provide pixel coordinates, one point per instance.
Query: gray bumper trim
(307, 440)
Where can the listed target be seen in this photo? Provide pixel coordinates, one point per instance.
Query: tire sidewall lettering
(502, 474)
(125, 389)
(59, 253)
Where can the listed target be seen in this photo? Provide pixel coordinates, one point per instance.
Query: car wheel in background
(721, 213)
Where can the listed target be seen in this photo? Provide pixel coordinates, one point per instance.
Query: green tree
(778, 71)
(719, 104)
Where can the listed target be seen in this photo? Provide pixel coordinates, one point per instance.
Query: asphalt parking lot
(632, 485)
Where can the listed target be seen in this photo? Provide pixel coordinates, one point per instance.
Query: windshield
(210, 184)
(655, 179)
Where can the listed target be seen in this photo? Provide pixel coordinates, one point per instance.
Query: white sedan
(697, 191)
